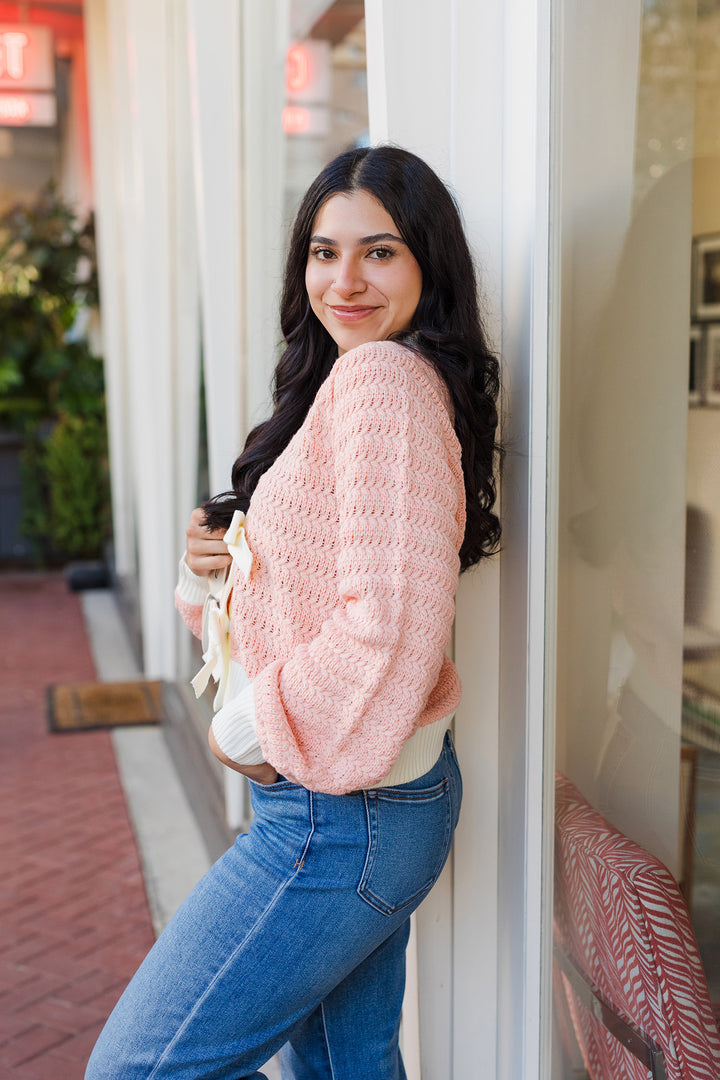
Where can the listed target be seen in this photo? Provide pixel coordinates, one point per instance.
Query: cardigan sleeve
(190, 595)
(334, 715)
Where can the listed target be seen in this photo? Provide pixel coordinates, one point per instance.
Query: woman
(366, 492)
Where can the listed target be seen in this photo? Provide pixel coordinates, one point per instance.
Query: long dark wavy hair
(446, 329)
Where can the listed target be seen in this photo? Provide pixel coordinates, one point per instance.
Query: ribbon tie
(216, 618)
(237, 544)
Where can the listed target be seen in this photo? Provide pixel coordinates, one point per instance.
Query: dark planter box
(13, 545)
(87, 575)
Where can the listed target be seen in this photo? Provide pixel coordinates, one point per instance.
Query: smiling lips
(351, 314)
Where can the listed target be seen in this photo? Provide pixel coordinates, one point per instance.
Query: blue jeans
(295, 938)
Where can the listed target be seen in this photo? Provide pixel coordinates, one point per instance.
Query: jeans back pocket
(409, 834)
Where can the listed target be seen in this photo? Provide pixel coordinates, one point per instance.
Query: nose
(348, 278)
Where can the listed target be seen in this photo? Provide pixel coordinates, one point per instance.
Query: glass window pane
(638, 639)
(325, 90)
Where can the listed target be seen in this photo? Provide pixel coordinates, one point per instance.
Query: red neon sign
(27, 59)
(32, 110)
(307, 72)
(295, 120)
(12, 54)
(14, 109)
(298, 70)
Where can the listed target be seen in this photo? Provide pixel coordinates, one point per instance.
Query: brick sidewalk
(74, 918)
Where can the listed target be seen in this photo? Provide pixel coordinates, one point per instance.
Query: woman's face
(362, 280)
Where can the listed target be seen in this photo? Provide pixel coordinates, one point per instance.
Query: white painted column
(400, 36)
(108, 151)
(237, 85)
(476, 174)
(75, 171)
(237, 62)
(265, 35)
(465, 85)
(432, 115)
(149, 298)
(185, 358)
(410, 60)
(442, 115)
(526, 742)
(214, 43)
(149, 322)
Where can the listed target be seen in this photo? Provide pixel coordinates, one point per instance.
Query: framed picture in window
(706, 277)
(696, 377)
(712, 364)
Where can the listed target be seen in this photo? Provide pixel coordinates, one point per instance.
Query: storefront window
(325, 89)
(638, 635)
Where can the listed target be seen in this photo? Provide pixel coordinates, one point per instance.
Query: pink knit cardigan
(355, 530)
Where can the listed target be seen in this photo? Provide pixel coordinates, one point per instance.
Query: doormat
(85, 706)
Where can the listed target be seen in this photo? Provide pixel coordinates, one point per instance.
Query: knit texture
(355, 531)
(190, 597)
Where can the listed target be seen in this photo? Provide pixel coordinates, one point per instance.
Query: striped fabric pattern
(620, 916)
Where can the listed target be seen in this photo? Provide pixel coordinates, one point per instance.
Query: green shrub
(66, 487)
(76, 469)
(47, 278)
(51, 384)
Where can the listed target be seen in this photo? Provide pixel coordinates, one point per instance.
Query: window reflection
(701, 664)
(638, 689)
(326, 90)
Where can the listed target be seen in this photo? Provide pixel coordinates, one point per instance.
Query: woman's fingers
(197, 529)
(205, 564)
(206, 551)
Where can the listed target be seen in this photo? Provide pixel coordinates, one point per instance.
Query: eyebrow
(374, 239)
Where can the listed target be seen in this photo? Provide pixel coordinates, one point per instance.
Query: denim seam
(420, 795)
(369, 854)
(218, 974)
(363, 889)
(327, 1041)
(311, 813)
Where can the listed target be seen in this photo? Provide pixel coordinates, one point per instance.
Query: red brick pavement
(74, 918)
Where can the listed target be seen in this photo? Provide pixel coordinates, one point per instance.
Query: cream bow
(215, 618)
(238, 547)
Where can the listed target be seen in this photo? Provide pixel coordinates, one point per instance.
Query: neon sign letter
(295, 120)
(14, 109)
(12, 45)
(297, 69)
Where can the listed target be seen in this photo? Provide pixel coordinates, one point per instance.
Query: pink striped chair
(628, 963)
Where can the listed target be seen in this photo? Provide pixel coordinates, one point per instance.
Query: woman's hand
(262, 774)
(206, 550)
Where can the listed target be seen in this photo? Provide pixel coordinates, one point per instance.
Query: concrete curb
(172, 850)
